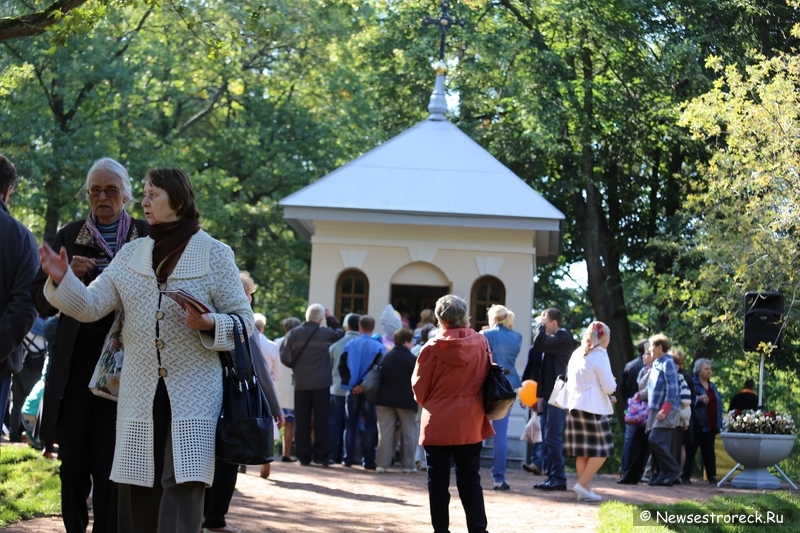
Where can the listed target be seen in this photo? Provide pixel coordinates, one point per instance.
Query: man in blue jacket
(556, 345)
(19, 262)
(357, 358)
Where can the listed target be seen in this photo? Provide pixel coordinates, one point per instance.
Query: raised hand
(54, 264)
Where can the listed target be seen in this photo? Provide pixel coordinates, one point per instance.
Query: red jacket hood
(457, 346)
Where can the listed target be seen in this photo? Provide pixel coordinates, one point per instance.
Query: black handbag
(245, 425)
(498, 394)
(372, 381)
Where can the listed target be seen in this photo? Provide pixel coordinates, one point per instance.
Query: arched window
(352, 293)
(486, 291)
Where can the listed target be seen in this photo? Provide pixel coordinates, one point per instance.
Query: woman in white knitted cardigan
(171, 384)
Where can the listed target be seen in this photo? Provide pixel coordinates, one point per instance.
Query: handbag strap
(303, 349)
(242, 355)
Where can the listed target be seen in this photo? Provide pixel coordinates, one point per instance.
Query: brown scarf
(171, 239)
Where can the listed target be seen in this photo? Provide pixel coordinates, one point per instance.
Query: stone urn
(755, 452)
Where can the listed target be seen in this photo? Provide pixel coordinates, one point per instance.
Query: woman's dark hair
(403, 335)
(179, 189)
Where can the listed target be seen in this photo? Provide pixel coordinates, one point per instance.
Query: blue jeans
(357, 405)
(630, 431)
(552, 421)
(5, 390)
(338, 416)
(467, 460)
(536, 455)
(500, 448)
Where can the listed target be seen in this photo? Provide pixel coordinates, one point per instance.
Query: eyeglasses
(111, 192)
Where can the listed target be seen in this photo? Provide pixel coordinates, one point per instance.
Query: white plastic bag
(533, 430)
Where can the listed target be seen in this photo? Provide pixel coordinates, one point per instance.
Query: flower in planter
(767, 423)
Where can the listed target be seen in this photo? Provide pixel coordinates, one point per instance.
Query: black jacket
(557, 350)
(630, 385)
(72, 337)
(19, 261)
(533, 368)
(312, 365)
(397, 367)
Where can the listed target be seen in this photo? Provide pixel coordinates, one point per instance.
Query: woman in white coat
(171, 385)
(589, 382)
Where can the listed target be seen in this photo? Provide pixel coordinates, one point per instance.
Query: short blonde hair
(247, 281)
(260, 321)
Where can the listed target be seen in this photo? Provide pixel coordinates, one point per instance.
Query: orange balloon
(527, 393)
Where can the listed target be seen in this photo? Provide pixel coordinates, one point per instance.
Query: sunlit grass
(618, 517)
(29, 485)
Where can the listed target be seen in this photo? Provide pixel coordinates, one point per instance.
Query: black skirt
(587, 435)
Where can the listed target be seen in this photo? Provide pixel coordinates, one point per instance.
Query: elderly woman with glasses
(170, 391)
(83, 424)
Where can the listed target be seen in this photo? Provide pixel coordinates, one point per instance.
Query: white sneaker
(586, 495)
(409, 470)
(380, 470)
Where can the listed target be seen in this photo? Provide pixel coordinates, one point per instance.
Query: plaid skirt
(587, 435)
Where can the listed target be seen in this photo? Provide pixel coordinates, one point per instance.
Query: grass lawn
(29, 485)
(618, 517)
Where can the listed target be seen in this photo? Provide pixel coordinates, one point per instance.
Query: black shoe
(685, 480)
(663, 482)
(304, 464)
(532, 468)
(712, 481)
(550, 485)
(242, 469)
(371, 467)
(623, 481)
(287, 459)
(501, 486)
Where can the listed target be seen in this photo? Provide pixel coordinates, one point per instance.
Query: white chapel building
(427, 213)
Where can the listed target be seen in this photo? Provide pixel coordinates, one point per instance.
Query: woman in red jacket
(448, 384)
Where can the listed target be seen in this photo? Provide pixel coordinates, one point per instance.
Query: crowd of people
(426, 412)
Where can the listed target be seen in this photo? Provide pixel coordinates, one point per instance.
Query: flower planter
(755, 452)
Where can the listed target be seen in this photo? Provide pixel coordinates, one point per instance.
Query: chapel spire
(438, 104)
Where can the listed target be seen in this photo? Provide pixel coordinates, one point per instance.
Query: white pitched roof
(432, 173)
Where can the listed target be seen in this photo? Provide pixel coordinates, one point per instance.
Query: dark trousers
(313, 405)
(552, 422)
(337, 417)
(467, 460)
(21, 384)
(5, 391)
(638, 455)
(86, 433)
(704, 441)
(219, 494)
(661, 449)
(167, 506)
(357, 405)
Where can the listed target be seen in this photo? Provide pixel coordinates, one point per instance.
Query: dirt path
(312, 499)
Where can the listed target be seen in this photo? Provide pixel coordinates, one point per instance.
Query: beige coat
(194, 378)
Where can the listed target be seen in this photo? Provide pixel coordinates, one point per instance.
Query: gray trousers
(661, 452)
(167, 507)
(387, 419)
